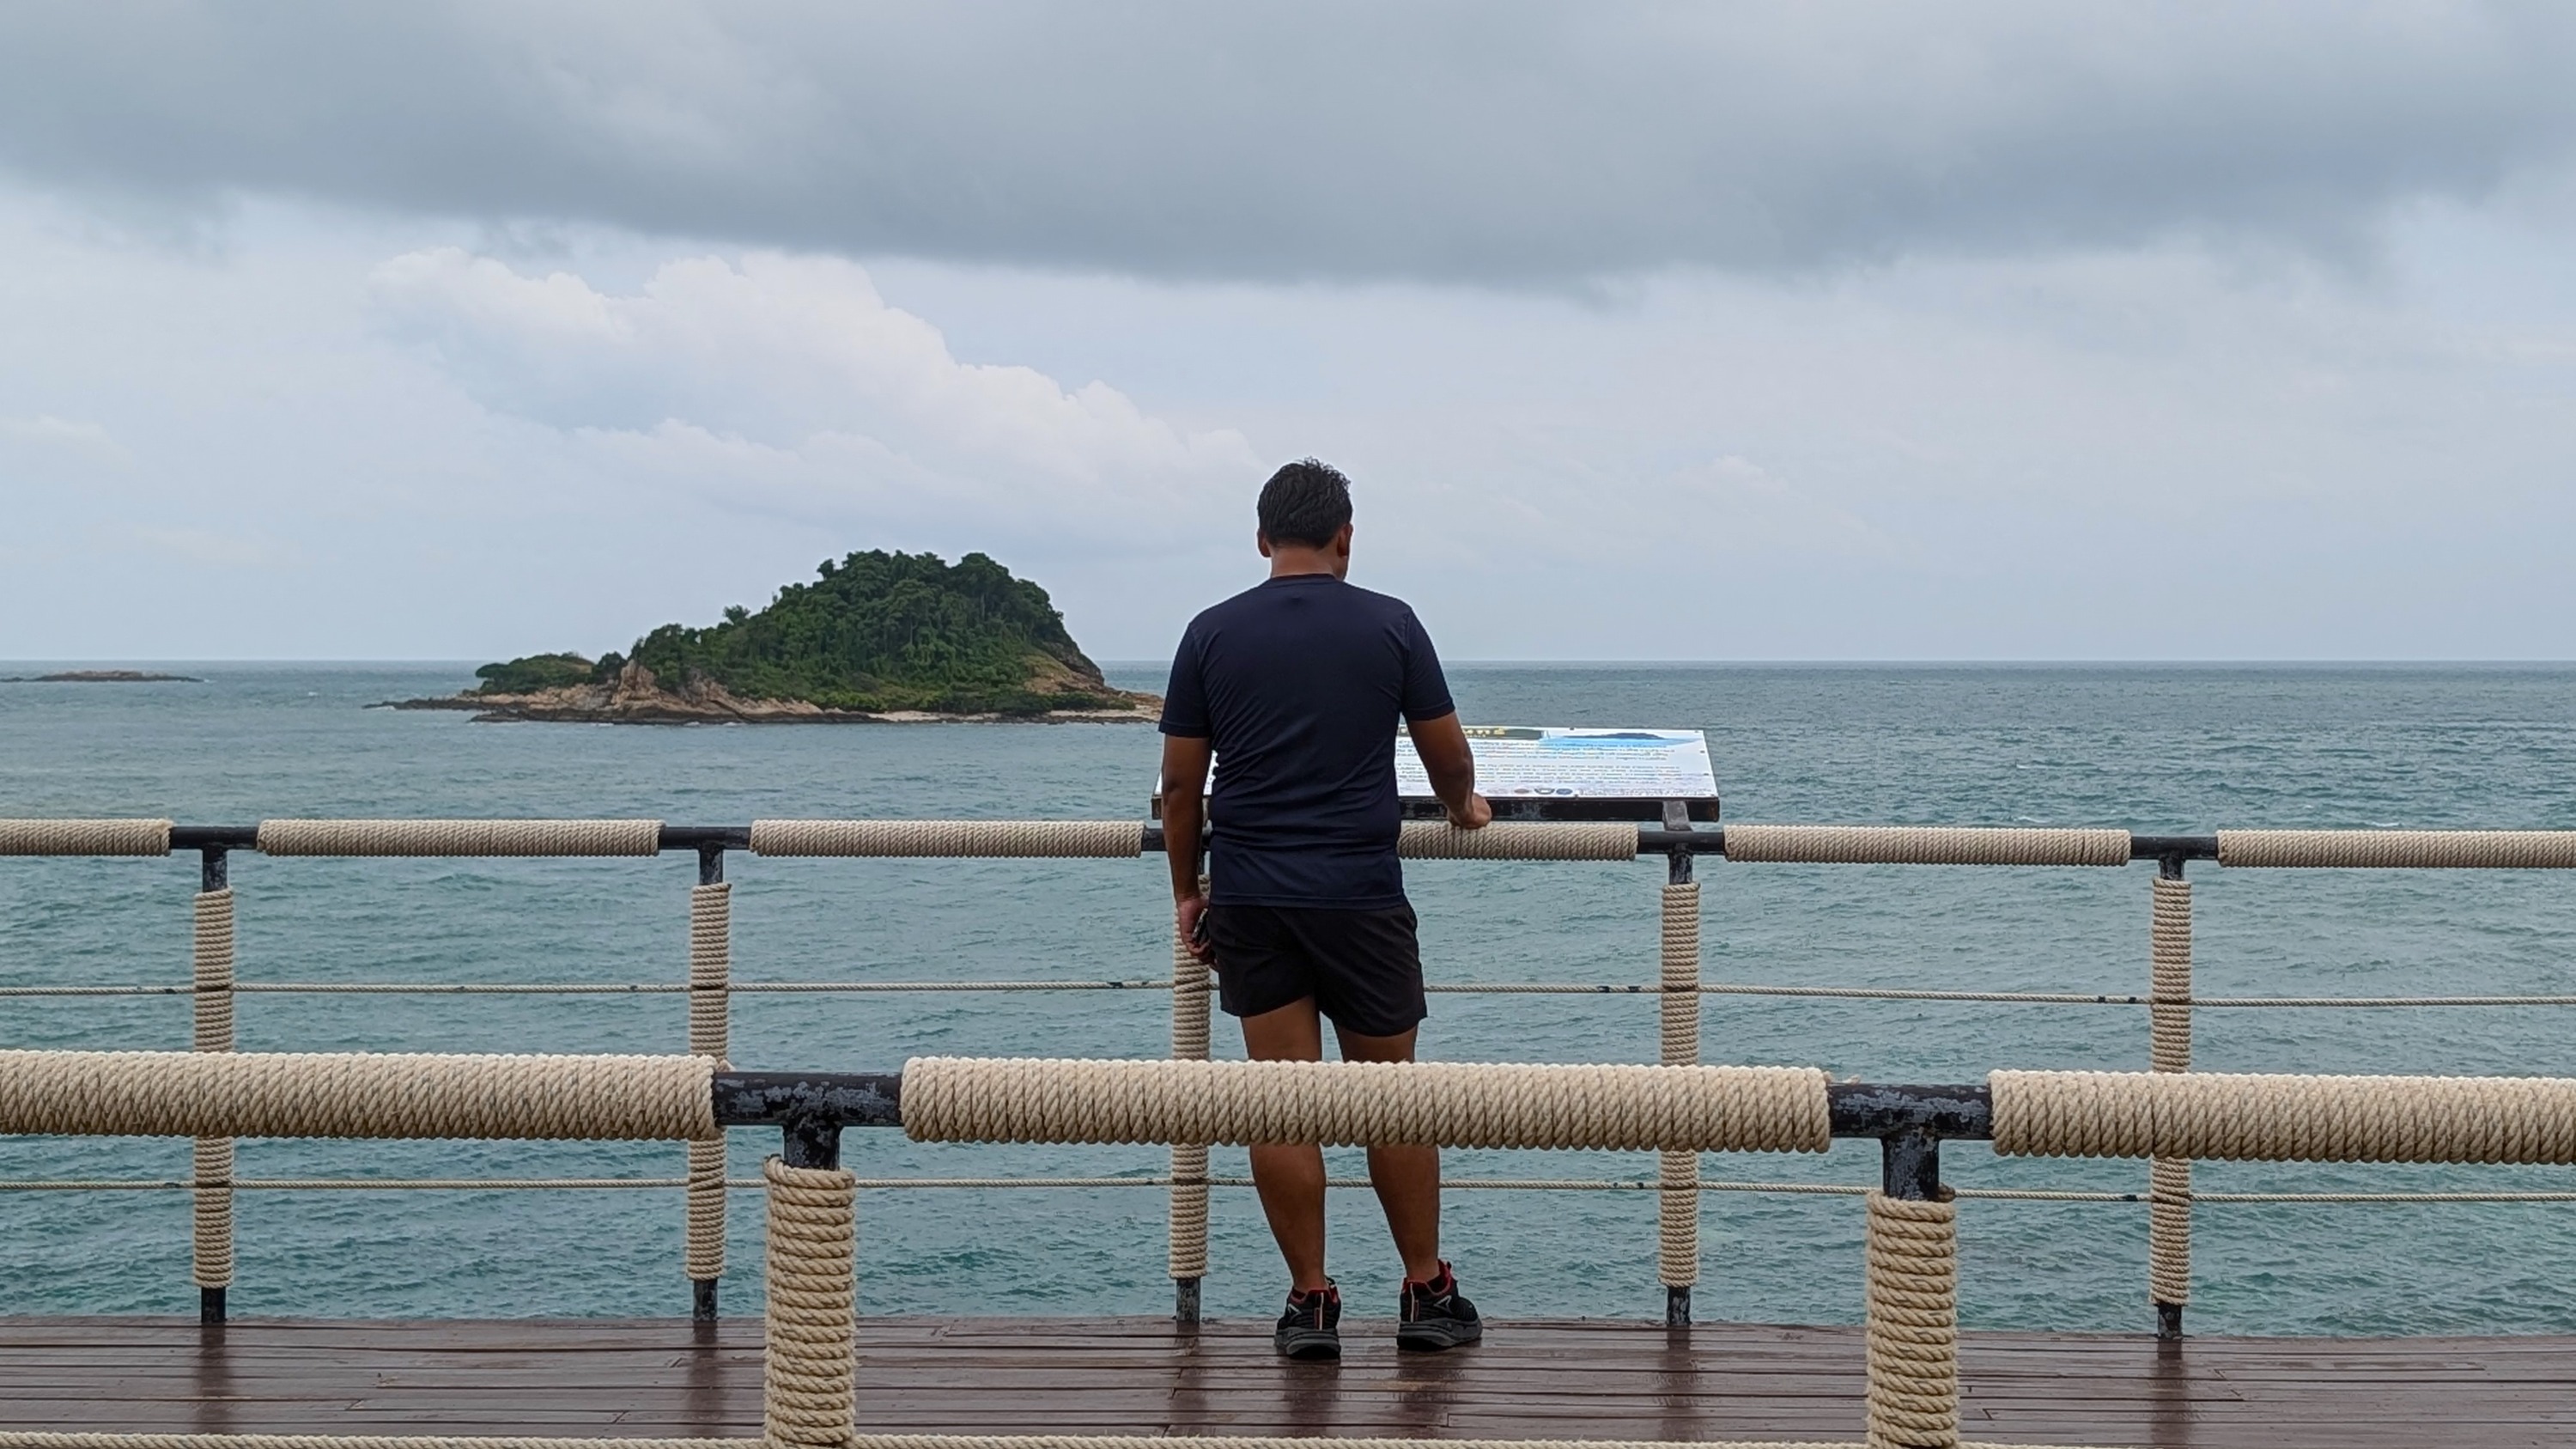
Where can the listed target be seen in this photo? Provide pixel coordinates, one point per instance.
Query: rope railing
(709, 987)
(1158, 1181)
(1504, 840)
(1473, 988)
(810, 1394)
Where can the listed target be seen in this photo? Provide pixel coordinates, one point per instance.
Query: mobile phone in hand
(1199, 928)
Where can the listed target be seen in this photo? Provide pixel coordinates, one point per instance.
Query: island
(101, 676)
(876, 638)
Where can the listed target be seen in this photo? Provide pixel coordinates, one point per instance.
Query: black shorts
(1363, 968)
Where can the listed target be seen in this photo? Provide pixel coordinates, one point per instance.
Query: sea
(2153, 748)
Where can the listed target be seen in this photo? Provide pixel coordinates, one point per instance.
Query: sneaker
(1312, 1326)
(1435, 1315)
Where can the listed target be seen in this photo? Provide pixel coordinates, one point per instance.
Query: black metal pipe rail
(1651, 840)
(812, 1107)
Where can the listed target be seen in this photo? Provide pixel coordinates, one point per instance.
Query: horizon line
(1637, 661)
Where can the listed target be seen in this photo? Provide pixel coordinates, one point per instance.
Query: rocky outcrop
(637, 697)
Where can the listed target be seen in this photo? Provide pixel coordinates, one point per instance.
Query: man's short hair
(1306, 503)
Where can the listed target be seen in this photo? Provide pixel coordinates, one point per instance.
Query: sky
(1644, 331)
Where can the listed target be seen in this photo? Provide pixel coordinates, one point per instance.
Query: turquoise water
(2155, 749)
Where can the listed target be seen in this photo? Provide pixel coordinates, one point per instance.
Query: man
(1295, 688)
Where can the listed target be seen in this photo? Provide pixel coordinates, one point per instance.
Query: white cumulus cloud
(788, 383)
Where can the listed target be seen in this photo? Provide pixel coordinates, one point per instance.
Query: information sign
(1541, 763)
(1533, 772)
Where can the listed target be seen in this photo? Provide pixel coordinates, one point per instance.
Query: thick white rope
(211, 966)
(1926, 845)
(810, 1324)
(2416, 849)
(43, 1439)
(2169, 1050)
(1507, 1184)
(1186, 1254)
(1499, 988)
(710, 1032)
(325, 1094)
(1103, 838)
(1677, 981)
(1617, 1107)
(2266, 1118)
(460, 837)
(84, 837)
(1518, 840)
(1911, 1299)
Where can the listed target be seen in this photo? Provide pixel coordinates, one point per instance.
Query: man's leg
(1290, 1177)
(1407, 1179)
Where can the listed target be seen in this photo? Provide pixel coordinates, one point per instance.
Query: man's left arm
(1432, 719)
(1451, 764)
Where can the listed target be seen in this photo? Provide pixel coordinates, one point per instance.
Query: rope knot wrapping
(1912, 1335)
(1452, 1104)
(1186, 1226)
(2270, 1118)
(811, 1322)
(460, 837)
(1677, 1173)
(949, 838)
(710, 1021)
(2169, 1050)
(84, 837)
(1925, 845)
(211, 1207)
(354, 1094)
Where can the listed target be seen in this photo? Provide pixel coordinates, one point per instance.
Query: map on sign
(1519, 762)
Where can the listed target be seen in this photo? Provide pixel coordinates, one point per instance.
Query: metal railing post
(710, 1029)
(1677, 1197)
(211, 963)
(2169, 1050)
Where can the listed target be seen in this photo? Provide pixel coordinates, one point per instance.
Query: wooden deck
(1140, 1376)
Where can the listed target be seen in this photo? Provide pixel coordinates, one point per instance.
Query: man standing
(1295, 688)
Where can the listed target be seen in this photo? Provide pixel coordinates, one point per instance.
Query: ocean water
(2152, 748)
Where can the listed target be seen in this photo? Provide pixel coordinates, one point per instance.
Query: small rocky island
(877, 638)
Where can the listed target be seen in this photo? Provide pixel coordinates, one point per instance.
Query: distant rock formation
(101, 676)
(877, 638)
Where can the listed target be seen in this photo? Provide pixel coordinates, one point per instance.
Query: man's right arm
(1442, 744)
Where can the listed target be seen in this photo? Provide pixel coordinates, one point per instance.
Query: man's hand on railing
(1478, 814)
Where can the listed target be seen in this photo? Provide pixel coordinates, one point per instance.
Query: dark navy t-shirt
(1297, 685)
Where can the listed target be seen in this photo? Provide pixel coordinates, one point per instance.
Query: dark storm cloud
(1477, 142)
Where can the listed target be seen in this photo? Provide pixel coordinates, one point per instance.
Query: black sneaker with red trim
(1435, 1315)
(1312, 1326)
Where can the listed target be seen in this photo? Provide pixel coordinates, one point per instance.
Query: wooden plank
(1140, 1376)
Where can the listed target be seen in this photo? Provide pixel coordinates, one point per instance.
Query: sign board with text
(1551, 772)
(1547, 772)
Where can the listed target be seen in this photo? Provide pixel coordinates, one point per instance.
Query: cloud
(787, 383)
(60, 437)
(1485, 142)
